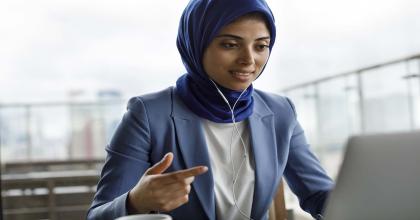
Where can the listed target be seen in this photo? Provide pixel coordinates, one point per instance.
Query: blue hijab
(200, 23)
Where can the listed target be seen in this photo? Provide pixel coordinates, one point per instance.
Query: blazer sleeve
(304, 174)
(127, 159)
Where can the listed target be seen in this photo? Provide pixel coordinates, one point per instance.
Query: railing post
(1, 144)
(361, 101)
(29, 144)
(52, 209)
(70, 145)
(410, 100)
(1, 133)
(418, 77)
(318, 121)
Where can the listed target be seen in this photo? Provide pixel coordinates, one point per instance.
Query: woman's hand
(156, 191)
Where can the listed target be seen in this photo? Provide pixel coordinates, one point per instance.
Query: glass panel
(386, 101)
(305, 102)
(48, 132)
(111, 114)
(338, 118)
(13, 134)
(92, 127)
(85, 130)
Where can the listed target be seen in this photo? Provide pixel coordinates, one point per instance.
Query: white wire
(244, 157)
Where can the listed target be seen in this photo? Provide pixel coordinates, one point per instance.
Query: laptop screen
(379, 179)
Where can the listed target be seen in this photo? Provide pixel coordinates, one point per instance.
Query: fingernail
(205, 168)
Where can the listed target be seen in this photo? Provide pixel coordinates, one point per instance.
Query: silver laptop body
(379, 179)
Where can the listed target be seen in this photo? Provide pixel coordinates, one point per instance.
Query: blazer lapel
(193, 148)
(263, 147)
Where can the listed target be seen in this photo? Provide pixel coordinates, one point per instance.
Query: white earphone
(244, 156)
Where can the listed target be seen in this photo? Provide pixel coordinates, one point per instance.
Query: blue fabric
(158, 123)
(200, 23)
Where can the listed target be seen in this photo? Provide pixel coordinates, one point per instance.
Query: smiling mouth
(241, 73)
(242, 76)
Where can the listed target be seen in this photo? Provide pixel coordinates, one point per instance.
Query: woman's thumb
(162, 165)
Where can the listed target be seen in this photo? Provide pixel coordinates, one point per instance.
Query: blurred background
(67, 69)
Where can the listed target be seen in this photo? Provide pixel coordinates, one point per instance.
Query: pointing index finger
(183, 174)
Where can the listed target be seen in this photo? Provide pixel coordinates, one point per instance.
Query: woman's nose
(246, 56)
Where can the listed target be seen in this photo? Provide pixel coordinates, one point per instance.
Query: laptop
(379, 179)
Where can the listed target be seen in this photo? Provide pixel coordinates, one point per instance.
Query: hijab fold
(200, 23)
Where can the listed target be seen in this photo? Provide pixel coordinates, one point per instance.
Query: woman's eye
(229, 45)
(262, 47)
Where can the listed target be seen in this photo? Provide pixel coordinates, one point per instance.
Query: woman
(212, 147)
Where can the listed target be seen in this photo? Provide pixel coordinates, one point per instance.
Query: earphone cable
(235, 128)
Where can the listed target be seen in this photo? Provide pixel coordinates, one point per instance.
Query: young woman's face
(236, 56)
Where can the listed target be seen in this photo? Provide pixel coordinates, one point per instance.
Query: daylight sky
(51, 48)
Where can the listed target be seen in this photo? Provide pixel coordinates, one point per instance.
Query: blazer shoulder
(159, 101)
(278, 104)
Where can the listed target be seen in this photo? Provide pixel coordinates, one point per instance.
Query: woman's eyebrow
(263, 38)
(240, 38)
(230, 36)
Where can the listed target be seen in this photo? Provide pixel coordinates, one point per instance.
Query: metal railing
(384, 97)
(57, 130)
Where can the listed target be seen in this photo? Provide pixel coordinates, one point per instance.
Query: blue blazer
(158, 123)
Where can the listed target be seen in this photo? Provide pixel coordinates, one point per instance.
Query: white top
(218, 138)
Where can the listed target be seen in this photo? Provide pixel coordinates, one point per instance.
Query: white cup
(145, 217)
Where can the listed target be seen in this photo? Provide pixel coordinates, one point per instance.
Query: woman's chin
(239, 87)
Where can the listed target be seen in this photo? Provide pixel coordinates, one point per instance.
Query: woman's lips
(243, 76)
